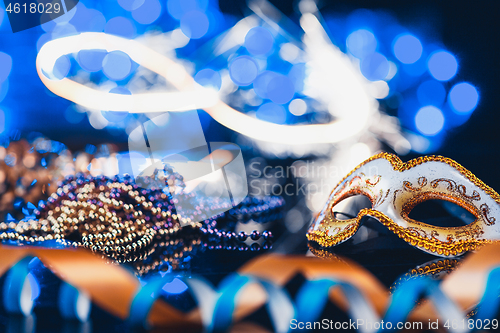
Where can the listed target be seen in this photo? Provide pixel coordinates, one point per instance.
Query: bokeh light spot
(64, 19)
(113, 116)
(297, 107)
(361, 43)
(148, 12)
(5, 66)
(61, 67)
(91, 60)
(463, 97)
(442, 65)
(272, 112)
(289, 52)
(407, 48)
(88, 20)
(174, 8)
(209, 78)
(431, 93)
(2, 121)
(120, 26)
(243, 70)
(116, 65)
(429, 120)
(73, 116)
(280, 89)
(64, 30)
(298, 75)
(48, 26)
(177, 8)
(261, 83)
(130, 5)
(2, 14)
(194, 24)
(259, 41)
(175, 287)
(375, 67)
(120, 91)
(4, 89)
(42, 40)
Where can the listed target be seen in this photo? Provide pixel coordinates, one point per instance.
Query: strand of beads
(118, 219)
(171, 251)
(101, 214)
(257, 208)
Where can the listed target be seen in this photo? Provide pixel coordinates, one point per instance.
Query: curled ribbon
(261, 282)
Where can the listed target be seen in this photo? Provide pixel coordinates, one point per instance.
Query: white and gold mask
(395, 188)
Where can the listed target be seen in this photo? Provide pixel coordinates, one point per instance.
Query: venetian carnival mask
(395, 188)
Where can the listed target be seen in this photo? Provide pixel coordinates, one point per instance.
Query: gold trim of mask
(395, 188)
(324, 254)
(436, 269)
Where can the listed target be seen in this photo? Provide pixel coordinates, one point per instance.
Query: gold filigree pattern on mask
(436, 269)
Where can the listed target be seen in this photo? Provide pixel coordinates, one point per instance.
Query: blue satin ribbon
(313, 296)
(13, 287)
(144, 299)
(205, 295)
(224, 306)
(217, 305)
(279, 304)
(68, 303)
(488, 307)
(406, 296)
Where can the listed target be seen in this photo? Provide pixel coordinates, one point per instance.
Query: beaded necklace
(120, 220)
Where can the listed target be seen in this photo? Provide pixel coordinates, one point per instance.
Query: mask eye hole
(441, 213)
(348, 208)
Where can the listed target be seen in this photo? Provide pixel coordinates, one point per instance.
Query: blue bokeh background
(444, 88)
